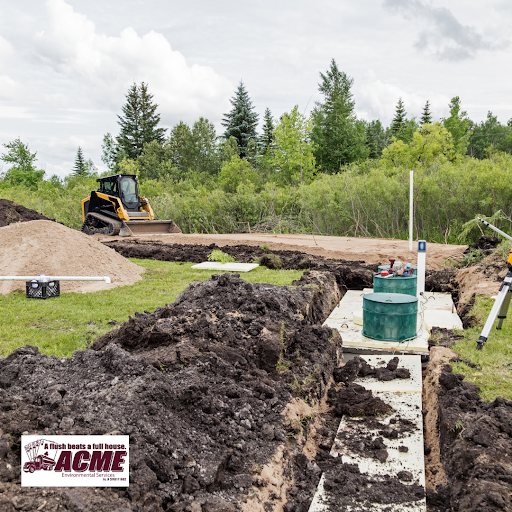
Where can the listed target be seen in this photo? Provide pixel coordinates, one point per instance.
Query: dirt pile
(371, 250)
(476, 448)
(358, 367)
(155, 250)
(252, 326)
(44, 247)
(484, 277)
(210, 429)
(486, 244)
(346, 488)
(354, 275)
(11, 212)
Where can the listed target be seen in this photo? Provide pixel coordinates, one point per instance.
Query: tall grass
(364, 200)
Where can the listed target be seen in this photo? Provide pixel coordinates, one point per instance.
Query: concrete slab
(437, 300)
(412, 385)
(439, 318)
(352, 336)
(407, 406)
(226, 267)
(438, 311)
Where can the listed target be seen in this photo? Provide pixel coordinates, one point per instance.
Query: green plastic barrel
(389, 316)
(395, 284)
(386, 267)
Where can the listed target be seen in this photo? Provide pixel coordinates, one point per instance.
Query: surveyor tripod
(502, 302)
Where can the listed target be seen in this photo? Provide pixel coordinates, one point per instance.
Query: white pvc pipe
(47, 279)
(411, 174)
(422, 264)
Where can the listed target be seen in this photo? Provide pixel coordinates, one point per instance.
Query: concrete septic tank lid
(227, 267)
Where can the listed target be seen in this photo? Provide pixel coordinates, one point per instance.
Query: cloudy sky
(65, 65)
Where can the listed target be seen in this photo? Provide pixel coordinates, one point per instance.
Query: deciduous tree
(490, 135)
(293, 157)
(459, 125)
(22, 169)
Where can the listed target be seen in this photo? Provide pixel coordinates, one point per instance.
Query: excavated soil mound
(353, 275)
(210, 428)
(476, 449)
(11, 212)
(253, 326)
(198, 253)
(483, 278)
(274, 259)
(43, 247)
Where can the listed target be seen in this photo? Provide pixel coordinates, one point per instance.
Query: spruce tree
(267, 137)
(426, 117)
(376, 139)
(398, 122)
(241, 121)
(139, 122)
(339, 137)
(80, 168)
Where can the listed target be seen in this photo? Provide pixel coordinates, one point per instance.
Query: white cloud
(446, 37)
(104, 66)
(8, 87)
(13, 111)
(6, 50)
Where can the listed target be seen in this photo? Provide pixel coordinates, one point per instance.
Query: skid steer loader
(116, 209)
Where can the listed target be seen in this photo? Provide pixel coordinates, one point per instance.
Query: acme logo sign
(75, 461)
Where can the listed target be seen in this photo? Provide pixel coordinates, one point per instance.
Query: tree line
(291, 149)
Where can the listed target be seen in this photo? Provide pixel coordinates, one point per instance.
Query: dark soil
(465, 313)
(11, 212)
(358, 367)
(355, 400)
(442, 281)
(443, 337)
(346, 488)
(354, 275)
(485, 243)
(198, 253)
(199, 386)
(476, 449)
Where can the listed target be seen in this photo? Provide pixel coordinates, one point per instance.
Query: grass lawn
(493, 376)
(61, 325)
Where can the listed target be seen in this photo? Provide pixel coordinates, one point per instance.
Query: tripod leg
(496, 309)
(504, 308)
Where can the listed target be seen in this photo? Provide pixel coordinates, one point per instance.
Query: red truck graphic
(40, 462)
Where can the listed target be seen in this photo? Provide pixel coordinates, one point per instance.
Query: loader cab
(123, 186)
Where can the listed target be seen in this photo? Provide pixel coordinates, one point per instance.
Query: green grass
(61, 325)
(220, 257)
(494, 378)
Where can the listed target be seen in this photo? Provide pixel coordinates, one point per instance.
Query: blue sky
(66, 65)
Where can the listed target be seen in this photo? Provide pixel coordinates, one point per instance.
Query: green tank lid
(389, 316)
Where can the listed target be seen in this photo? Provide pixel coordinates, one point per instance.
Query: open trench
(232, 397)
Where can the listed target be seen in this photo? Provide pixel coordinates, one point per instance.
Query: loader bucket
(148, 227)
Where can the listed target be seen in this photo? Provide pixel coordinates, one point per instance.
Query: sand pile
(44, 247)
(11, 212)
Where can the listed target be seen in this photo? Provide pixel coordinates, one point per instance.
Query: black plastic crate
(38, 290)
